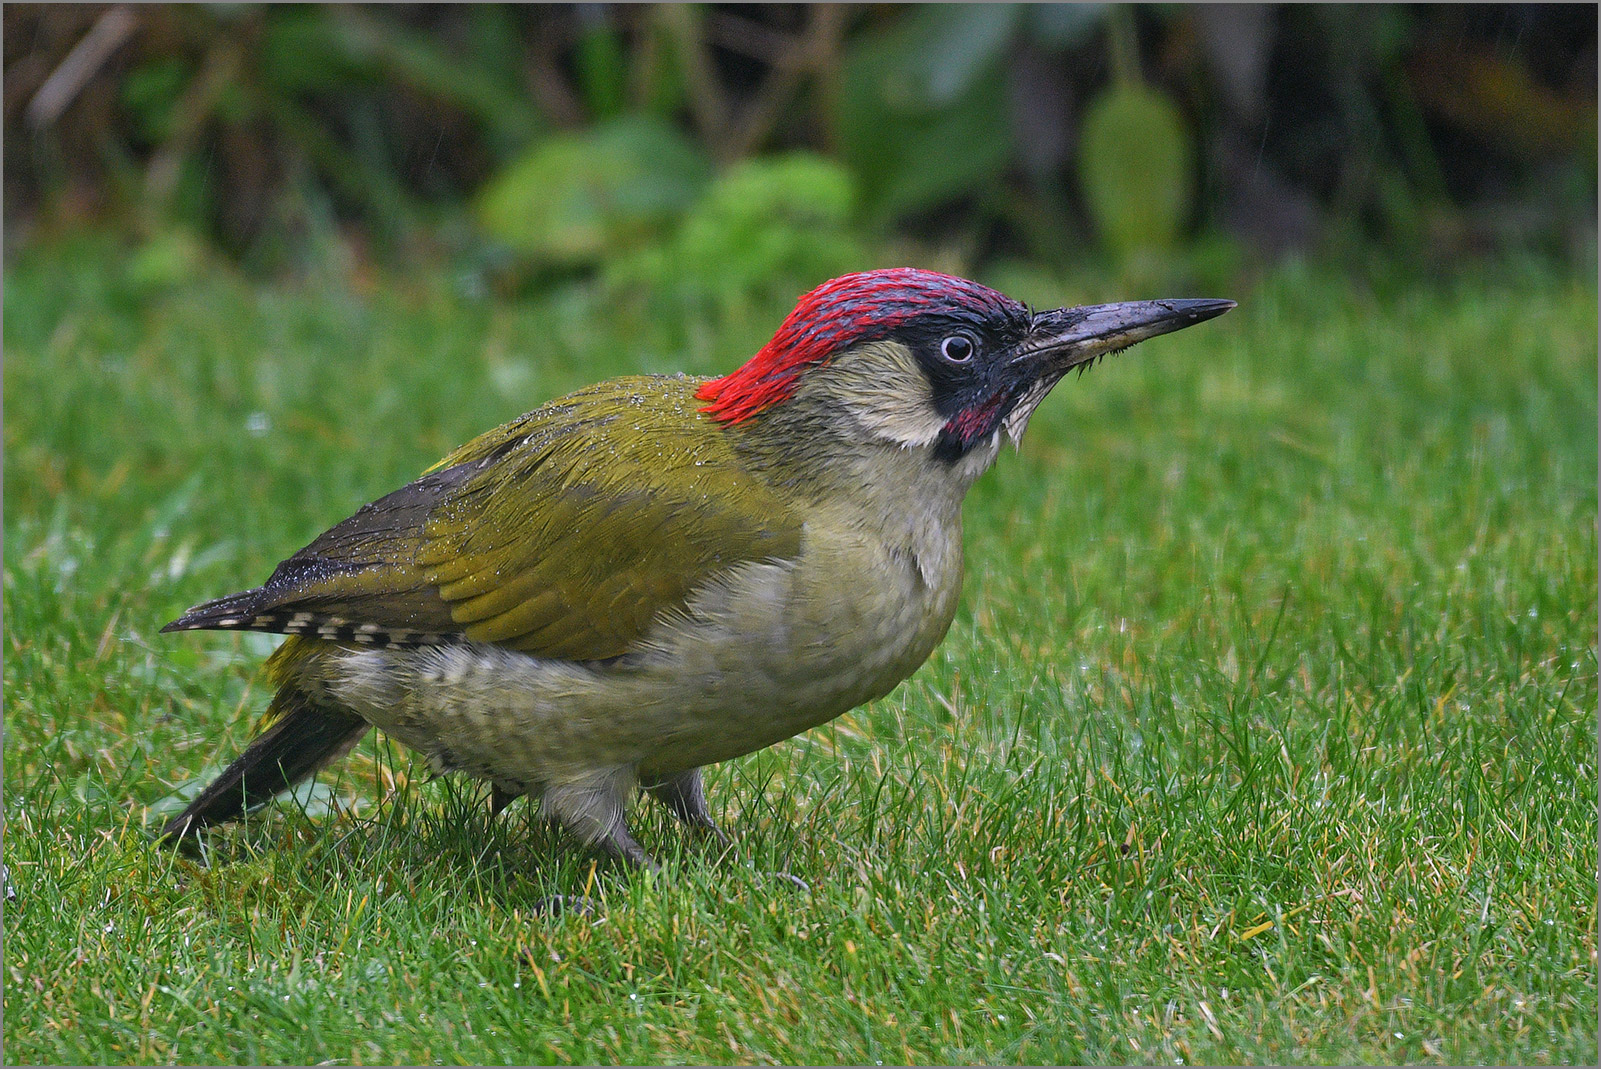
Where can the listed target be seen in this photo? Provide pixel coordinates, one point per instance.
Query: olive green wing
(611, 506)
(562, 534)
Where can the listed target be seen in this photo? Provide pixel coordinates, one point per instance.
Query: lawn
(1267, 731)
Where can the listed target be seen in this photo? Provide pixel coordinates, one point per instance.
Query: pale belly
(771, 652)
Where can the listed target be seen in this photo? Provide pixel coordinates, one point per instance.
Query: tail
(265, 609)
(233, 611)
(304, 737)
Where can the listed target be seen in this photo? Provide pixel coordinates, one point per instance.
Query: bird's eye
(958, 349)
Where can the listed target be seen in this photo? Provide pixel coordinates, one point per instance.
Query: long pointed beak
(1069, 337)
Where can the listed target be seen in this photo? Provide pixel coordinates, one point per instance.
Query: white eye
(958, 349)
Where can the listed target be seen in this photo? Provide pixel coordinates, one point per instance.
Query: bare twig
(82, 63)
(748, 38)
(811, 53)
(552, 94)
(191, 113)
(707, 105)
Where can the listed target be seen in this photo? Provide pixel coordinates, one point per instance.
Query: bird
(658, 573)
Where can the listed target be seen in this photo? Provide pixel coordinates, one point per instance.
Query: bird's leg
(501, 798)
(684, 796)
(592, 810)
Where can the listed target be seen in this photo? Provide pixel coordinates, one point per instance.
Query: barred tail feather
(255, 611)
(303, 738)
(233, 611)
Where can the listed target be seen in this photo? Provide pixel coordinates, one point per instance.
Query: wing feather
(562, 534)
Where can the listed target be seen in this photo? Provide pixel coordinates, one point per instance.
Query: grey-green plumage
(561, 534)
(657, 573)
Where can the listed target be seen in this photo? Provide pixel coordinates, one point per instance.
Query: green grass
(1267, 731)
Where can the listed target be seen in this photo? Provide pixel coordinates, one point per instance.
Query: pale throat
(1016, 422)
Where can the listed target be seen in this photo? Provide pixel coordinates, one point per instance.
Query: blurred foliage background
(711, 154)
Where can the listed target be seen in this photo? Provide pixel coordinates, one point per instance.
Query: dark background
(519, 145)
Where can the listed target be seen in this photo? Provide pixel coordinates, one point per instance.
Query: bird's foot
(685, 798)
(501, 798)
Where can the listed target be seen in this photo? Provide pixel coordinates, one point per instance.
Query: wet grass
(1267, 731)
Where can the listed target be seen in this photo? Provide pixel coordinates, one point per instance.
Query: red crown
(829, 319)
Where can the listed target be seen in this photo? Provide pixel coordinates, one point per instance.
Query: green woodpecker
(656, 573)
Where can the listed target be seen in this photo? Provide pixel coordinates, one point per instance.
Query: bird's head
(926, 360)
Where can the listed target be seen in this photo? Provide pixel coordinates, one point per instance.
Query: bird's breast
(760, 653)
(775, 648)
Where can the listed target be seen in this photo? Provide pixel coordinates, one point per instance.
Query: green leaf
(772, 225)
(602, 71)
(167, 260)
(417, 60)
(919, 108)
(150, 93)
(962, 41)
(1135, 159)
(302, 51)
(573, 199)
